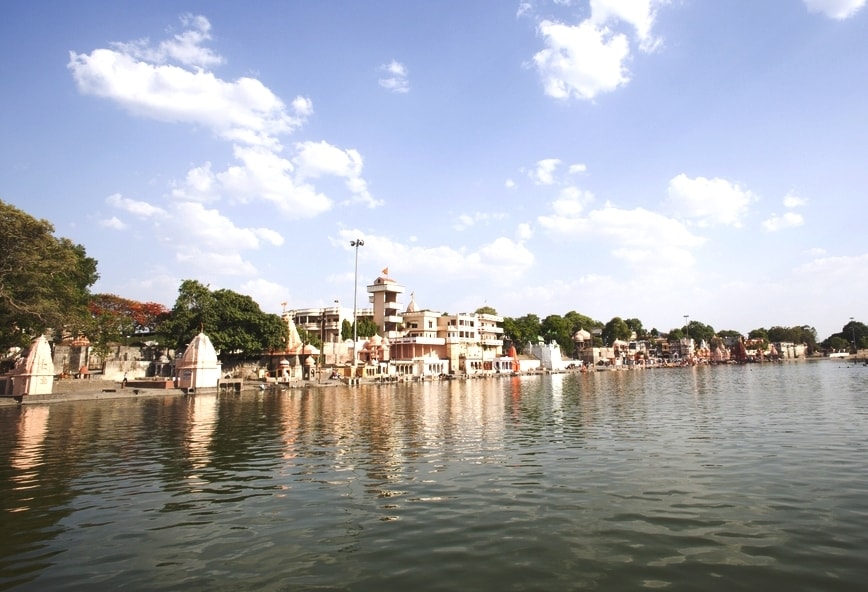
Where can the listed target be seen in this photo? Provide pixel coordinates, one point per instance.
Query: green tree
(852, 331)
(616, 329)
(234, 322)
(636, 326)
(44, 280)
(699, 331)
(346, 330)
(729, 333)
(558, 329)
(308, 337)
(486, 310)
(522, 330)
(367, 328)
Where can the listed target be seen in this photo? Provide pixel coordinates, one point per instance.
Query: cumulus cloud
(786, 220)
(168, 81)
(501, 260)
(396, 77)
(571, 201)
(465, 221)
(581, 61)
(184, 47)
(114, 223)
(140, 209)
(641, 238)
(794, 201)
(544, 172)
(244, 110)
(708, 202)
(835, 9)
(315, 159)
(640, 14)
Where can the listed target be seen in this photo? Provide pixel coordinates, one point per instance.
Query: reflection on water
(26, 457)
(703, 478)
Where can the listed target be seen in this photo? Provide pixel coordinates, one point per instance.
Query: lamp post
(356, 243)
(687, 333)
(853, 328)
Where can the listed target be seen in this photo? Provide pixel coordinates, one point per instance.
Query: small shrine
(33, 374)
(198, 368)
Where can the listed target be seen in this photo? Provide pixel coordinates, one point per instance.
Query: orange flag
(385, 271)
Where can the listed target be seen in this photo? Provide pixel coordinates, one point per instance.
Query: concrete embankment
(91, 390)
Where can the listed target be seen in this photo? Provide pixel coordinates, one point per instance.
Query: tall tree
(522, 330)
(558, 329)
(616, 329)
(44, 280)
(234, 322)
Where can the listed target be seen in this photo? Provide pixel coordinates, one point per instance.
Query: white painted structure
(33, 375)
(198, 367)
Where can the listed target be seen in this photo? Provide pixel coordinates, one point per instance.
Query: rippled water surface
(725, 478)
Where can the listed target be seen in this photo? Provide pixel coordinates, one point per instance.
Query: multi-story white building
(414, 341)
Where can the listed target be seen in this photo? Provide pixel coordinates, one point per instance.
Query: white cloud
(465, 221)
(267, 294)
(140, 209)
(641, 238)
(640, 14)
(315, 159)
(836, 9)
(578, 168)
(184, 48)
(114, 223)
(396, 79)
(509, 184)
(524, 232)
(708, 201)
(215, 262)
(500, 260)
(571, 201)
(544, 172)
(209, 228)
(244, 112)
(794, 201)
(581, 61)
(787, 220)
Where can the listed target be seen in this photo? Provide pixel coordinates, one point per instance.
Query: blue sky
(633, 158)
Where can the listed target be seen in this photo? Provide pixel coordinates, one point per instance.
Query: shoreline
(97, 389)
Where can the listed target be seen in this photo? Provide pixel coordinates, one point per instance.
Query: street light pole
(356, 243)
(853, 328)
(686, 326)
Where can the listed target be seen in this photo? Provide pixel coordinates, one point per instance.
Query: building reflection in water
(28, 455)
(201, 421)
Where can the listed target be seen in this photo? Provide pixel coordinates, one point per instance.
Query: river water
(722, 478)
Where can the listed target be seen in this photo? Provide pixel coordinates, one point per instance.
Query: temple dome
(200, 353)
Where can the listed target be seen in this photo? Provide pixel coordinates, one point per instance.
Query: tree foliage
(802, 334)
(115, 319)
(44, 280)
(853, 331)
(616, 329)
(636, 327)
(234, 322)
(486, 310)
(522, 330)
(558, 329)
(699, 332)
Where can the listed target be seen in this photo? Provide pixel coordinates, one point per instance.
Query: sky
(665, 160)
